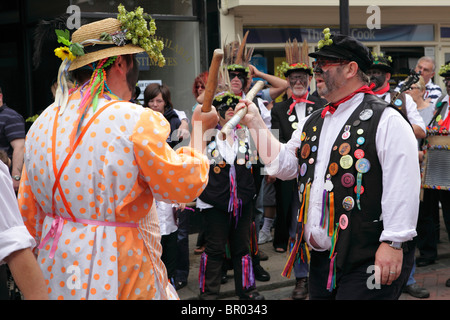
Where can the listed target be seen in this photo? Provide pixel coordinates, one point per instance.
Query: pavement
(431, 277)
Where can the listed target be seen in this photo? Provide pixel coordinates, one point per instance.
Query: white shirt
(14, 235)
(411, 110)
(166, 218)
(398, 156)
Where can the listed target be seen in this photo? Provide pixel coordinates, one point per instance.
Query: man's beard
(331, 83)
(378, 81)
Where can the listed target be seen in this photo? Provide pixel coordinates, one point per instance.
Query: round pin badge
(346, 135)
(344, 149)
(216, 169)
(366, 114)
(359, 153)
(328, 185)
(291, 118)
(303, 169)
(348, 180)
(346, 161)
(242, 149)
(348, 203)
(360, 141)
(313, 148)
(398, 103)
(294, 125)
(343, 221)
(362, 165)
(333, 168)
(248, 164)
(356, 123)
(361, 190)
(313, 138)
(303, 136)
(215, 153)
(311, 160)
(306, 150)
(212, 145)
(360, 131)
(222, 164)
(240, 161)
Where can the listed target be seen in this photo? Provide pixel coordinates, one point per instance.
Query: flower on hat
(64, 53)
(326, 41)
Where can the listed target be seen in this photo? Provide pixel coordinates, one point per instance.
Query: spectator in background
(427, 67)
(12, 139)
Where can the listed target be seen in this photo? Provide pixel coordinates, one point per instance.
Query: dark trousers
(220, 229)
(182, 272)
(428, 221)
(358, 283)
(169, 254)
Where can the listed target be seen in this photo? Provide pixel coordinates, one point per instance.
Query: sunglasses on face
(328, 63)
(234, 74)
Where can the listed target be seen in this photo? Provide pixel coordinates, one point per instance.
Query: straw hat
(88, 35)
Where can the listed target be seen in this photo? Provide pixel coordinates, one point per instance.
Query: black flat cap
(346, 48)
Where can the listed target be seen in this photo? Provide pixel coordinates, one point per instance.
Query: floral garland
(285, 67)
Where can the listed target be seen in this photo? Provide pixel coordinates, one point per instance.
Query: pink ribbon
(58, 223)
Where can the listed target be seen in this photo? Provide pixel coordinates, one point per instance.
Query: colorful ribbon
(58, 223)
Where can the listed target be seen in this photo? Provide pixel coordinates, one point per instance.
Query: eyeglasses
(301, 78)
(322, 63)
(199, 86)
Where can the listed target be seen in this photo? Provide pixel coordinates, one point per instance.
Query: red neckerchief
(298, 100)
(331, 107)
(382, 91)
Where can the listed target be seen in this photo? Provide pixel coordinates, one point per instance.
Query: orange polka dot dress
(90, 208)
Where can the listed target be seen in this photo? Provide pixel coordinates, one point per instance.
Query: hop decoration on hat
(444, 71)
(236, 55)
(136, 31)
(326, 41)
(225, 98)
(296, 58)
(380, 58)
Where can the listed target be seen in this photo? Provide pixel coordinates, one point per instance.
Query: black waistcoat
(217, 192)
(359, 229)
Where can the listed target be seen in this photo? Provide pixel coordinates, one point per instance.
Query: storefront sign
(312, 34)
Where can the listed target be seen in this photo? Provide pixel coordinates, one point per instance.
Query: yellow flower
(63, 53)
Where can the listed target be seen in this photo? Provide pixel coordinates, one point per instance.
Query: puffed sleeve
(174, 176)
(13, 234)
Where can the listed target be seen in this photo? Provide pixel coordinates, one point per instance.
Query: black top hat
(380, 61)
(343, 47)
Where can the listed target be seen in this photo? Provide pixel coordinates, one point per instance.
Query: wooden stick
(211, 83)
(234, 121)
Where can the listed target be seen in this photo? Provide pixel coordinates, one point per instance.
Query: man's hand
(201, 122)
(252, 112)
(388, 262)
